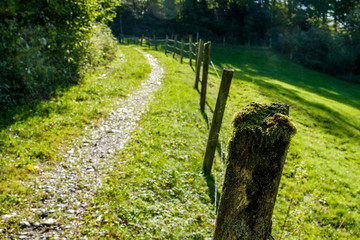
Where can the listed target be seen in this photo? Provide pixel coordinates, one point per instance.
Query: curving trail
(67, 189)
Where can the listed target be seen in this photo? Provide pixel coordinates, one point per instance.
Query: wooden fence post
(166, 44)
(257, 152)
(198, 62)
(196, 53)
(149, 43)
(205, 75)
(174, 48)
(155, 43)
(141, 41)
(182, 50)
(217, 120)
(190, 50)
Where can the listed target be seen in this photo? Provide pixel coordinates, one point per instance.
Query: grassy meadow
(158, 190)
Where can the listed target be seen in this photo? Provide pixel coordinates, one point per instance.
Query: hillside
(156, 189)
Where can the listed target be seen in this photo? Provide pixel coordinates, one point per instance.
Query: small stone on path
(71, 211)
(49, 221)
(7, 216)
(25, 223)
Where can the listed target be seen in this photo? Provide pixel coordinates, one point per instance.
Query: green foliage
(44, 44)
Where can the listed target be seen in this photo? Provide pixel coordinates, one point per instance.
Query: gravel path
(66, 190)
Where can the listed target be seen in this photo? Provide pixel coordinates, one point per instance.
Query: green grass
(157, 190)
(323, 160)
(35, 134)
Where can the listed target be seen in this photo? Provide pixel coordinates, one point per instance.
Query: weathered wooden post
(141, 41)
(155, 45)
(149, 43)
(174, 48)
(190, 50)
(196, 53)
(166, 43)
(182, 50)
(205, 75)
(198, 62)
(217, 120)
(257, 152)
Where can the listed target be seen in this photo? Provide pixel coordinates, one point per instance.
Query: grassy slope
(324, 155)
(159, 192)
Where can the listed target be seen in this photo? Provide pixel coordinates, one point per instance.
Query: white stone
(49, 221)
(6, 217)
(25, 223)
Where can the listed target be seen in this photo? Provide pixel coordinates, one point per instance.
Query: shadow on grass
(210, 181)
(25, 110)
(323, 115)
(253, 66)
(268, 64)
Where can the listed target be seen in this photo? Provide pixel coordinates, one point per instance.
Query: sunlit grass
(160, 189)
(157, 190)
(324, 155)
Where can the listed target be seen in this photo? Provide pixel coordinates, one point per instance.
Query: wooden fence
(257, 149)
(200, 52)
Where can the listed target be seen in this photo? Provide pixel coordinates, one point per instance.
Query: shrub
(46, 44)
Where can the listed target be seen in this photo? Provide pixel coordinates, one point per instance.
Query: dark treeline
(321, 34)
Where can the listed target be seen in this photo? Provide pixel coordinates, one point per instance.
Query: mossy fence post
(190, 50)
(205, 75)
(198, 62)
(257, 151)
(217, 120)
(174, 48)
(166, 43)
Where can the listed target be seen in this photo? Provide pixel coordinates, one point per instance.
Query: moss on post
(257, 152)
